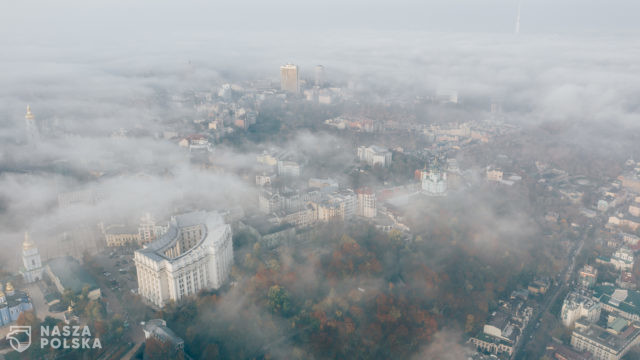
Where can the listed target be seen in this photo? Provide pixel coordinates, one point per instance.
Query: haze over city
(361, 179)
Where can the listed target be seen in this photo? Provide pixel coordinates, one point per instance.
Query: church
(12, 304)
(32, 270)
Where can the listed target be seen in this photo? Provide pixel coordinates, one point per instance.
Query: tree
(278, 299)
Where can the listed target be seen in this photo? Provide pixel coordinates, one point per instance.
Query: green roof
(71, 274)
(630, 305)
(618, 324)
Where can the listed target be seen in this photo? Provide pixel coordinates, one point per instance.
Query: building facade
(31, 261)
(195, 253)
(610, 343)
(121, 235)
(374, 155)
(289, 78)
(434, 182)
(366, 203)
(12, 304)
(577, 306)
(588, 276)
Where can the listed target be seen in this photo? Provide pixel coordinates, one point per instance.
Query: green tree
(278, 299)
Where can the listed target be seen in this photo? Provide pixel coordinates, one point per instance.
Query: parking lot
(118, 269)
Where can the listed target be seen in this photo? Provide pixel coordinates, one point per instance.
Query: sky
(80, 19)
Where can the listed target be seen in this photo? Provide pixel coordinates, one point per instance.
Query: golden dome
(9, 288)
(27, 244)
(29, 115)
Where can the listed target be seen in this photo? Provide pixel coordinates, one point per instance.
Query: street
(530, 329)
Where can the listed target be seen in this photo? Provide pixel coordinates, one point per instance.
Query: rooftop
(625, 300)
(158, 329)
(616, 342)
(71, 274)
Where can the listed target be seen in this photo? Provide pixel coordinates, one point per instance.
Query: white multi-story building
(611, 343)
(289, 78)
(195, 253)
(577, 306)
(288, 168)
(374, 155)
(622, 259)
(33, 269)
(366, 203)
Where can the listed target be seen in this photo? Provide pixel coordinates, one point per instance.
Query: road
(531, 328)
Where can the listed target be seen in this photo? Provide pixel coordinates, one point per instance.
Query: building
(66, 273)
(299, 218)
(498, 336)
(562, 352)
(447, 96)
(539, 286)
(289, 78)
(121, 235)
(12, 304)
(610, 343)
(324, 185)
(264, 179)
(31, 261)
(195, 143)
(622, 259)
(148, 230)
(269, 201)
(319, 76)
(588, 276)
(157, 329)
(195, 253)
(578, 306)
(434, 182)
(267, 159)
(374, 155)
(494, 174)
(623, 302)
(33, 136)
(288, 168)
(626, 280)
(366, 203)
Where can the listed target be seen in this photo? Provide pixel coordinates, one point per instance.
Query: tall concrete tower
(289, 78)
(517, 30)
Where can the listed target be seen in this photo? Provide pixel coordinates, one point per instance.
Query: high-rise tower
(319, 75)
(289, 78)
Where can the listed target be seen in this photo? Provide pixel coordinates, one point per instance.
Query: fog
(91, 70)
